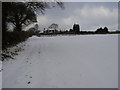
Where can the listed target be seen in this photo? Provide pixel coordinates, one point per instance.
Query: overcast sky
(89, 15)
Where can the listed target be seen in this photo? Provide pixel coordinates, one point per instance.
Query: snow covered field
(86, 61)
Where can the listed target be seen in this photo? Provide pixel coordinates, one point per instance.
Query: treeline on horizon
(76, 30)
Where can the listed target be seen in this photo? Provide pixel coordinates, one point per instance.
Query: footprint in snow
(1, 70)
(28, 82)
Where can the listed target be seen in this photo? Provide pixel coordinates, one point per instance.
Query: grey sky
(89, 15)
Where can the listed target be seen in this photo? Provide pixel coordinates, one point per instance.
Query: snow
(80, 61)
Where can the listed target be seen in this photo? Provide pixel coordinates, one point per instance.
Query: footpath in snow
(84, 61)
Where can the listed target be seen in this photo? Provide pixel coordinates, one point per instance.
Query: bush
(102, 31)
(13, 38)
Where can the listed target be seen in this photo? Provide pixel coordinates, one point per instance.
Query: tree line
(76, 30)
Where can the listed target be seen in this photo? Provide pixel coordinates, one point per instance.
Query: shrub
(13, 38)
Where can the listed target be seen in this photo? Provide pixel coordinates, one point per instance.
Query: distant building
(53, 28)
